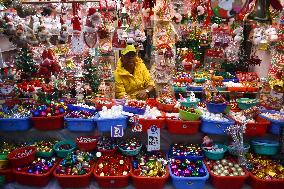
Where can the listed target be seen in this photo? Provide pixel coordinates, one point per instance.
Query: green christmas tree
(91, 74)
(25, 63)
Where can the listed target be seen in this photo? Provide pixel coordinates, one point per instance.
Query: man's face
(129, 59)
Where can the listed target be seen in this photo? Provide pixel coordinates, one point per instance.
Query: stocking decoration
(76, 23)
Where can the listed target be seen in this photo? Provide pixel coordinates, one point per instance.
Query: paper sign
(153, 138)
(117, 131)
(136, 127)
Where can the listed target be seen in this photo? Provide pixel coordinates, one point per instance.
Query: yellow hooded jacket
(128, 84)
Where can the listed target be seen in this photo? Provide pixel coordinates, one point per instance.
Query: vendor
(132, 78)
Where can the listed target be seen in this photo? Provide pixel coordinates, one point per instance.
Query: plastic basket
(176, 126)
(252, 89)
(242, 104)
(195, 88)
(78, 124)
(190, 182)
(215, 127)
(130, 152)
(275, 124)
(233, 151)
(87, 146)
(8, 174)
(190, 157)
(104, 125)
(166, 107)
(142, 182)
(265, 147)
(36, 180)
(3, 156)
(139, 111)
(48, 123)
(199, 80)
(147, 123)
(189, 104)
(221, 88)
(72, 107)
(179, 89)
(74, 181)
(108, 152)
(259, 128)
(64, 153)
(44, 154)
(257, 183)
(216, 107)
(225, 182)
(235, 80)
(15, 124)
(100, 106)
(18, 162)
(111, 181)
(215, 155)
(4, 164)
(188, 116)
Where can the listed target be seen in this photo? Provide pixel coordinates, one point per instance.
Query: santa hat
(92, 11)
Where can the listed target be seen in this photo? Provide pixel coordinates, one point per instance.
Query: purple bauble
(201, 172)
(43, 114)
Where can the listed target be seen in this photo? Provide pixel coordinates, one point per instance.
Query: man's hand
(142, 95)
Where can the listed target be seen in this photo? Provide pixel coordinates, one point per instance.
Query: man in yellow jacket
(132, 78)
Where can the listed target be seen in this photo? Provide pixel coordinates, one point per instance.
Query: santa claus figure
(76, 23)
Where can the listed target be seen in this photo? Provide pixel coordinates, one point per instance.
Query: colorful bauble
(44, 146)
(52, 109)
(186, 150)
(38, 166)
(166, 99)
(130, 144)
(80, 114)
(225, 167)
(150, 164)
(106, 143)
(135, 103)
(76, 163)
(187, 168)
(113, 165)
(15, 112)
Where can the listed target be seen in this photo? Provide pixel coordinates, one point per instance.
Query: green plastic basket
(187, 116)
(44, 154)
(189, 104)
(3, 156)
(199, 80)
(2, 180)
(221, 88)
(215, 155)
(246, 103)
(130, 152)
(179, 89)
(64, 153)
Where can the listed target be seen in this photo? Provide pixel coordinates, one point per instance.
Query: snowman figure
(192, 97)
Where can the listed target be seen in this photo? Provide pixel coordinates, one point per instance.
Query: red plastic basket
(111, 181)
(176, 126)
(74, 181)
(256, 129)
(167, 107)
(8, 174)
(257, 183)
(87, 146)
(225, 182)
(30, 179)
(18, 162)
(152, 102)
(108, 152)
(147, 123)
(142, 182)
(252, 89)
(48, 123)
(100, 106)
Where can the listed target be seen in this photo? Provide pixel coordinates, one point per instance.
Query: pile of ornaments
(218, 99)
(240, 117)
(106, 143)
(15, 112)
(38, 166)
(113, 165)
(130, 144)
(247, 77)
(44, 146)
(265, 168)
(275, 116)
(214, 117)
(76, 163)
(53, 109)
(114, 112)
(7, 147)
(225, 167)
(182, 77)
(185, 150)
(187, 168)
(83, 114)
(166, 99)
(150, 164)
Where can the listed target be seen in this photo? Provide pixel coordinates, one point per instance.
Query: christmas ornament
(187, 168)
(44, 146)
(38, 166)
(185, 150)
(106, 143)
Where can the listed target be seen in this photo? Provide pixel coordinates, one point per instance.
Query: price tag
(153, 138)
(117, 131)
(136, 127)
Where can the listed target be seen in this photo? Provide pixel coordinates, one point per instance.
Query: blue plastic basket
(72, 107)
(235, 80)
(79, 124)
(139, 111)
(216, 107)
(275, 124)
(215, 155)
(265, 147)
(189, 182)
(215, 127)
(104, 125)
(15, 124)
(195, 88)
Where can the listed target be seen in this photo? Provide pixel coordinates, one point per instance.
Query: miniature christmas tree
(25, 63)
(91, 74)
